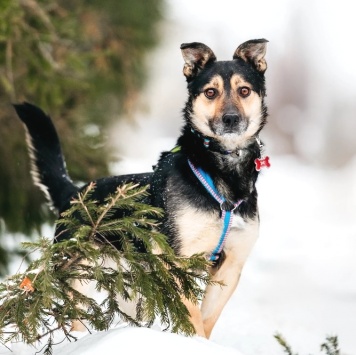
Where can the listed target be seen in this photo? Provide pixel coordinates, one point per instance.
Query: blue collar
(226, 216)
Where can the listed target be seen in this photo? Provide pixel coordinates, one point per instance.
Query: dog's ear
(196, 55)
(253, 52)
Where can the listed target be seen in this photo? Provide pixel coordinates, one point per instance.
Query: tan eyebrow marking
(237, 81)
(216, 82)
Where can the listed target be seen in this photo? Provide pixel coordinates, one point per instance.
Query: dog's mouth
(227, 126)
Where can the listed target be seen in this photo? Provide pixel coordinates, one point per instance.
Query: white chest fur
(200, 231)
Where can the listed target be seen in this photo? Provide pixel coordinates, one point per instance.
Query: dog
(206, 185)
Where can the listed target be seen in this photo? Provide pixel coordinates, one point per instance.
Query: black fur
(48, 165)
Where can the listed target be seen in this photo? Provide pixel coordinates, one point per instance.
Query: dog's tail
(48, 167)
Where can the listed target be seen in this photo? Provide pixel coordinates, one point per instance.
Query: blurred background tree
(82, 61)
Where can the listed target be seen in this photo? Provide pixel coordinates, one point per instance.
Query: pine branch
(42, 301)
(331, 345)
(286, 347)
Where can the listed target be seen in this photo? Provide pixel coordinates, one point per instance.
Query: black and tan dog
(206, 185)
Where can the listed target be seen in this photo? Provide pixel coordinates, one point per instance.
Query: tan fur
(201, 230)
(205, 110)
(249, 106)
(195, 317)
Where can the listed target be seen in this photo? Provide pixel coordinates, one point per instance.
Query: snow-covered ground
(133, 341)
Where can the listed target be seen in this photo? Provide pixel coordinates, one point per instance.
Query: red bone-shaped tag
(262, 163)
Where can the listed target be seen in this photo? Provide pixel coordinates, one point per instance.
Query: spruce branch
(282, 341)
(43, 301)
(330, 346)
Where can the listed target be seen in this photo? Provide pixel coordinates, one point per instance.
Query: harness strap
(226, 216)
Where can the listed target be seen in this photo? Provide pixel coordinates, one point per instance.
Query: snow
(140, 341)
(134, 341)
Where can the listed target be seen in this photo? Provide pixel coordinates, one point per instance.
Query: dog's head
(226, 98)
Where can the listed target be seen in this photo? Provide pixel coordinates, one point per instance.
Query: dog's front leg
(193, 308)
(195, 317)
(216, 296)
(86, 288)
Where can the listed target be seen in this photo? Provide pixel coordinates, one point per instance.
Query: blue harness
(226, 216)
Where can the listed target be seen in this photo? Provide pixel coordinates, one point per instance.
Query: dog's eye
(210, 93)
(244, 91)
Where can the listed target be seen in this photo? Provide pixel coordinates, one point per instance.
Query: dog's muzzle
(232, 123)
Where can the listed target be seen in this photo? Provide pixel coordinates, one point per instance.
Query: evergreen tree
(80, 60)
(37, 304)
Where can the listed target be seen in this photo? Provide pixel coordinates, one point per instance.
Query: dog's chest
(200, 231)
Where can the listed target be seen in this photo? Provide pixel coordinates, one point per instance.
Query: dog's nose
(230, 120)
